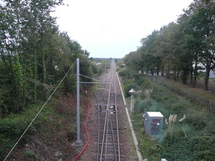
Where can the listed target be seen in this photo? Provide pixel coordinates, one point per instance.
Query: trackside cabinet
(153, 122)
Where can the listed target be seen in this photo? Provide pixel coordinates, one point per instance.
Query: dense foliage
(34, 54)
(180, 49)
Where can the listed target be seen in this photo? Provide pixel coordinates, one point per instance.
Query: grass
(191, 139)
(190, 90)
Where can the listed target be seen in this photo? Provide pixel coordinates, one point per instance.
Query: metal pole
(105, 67)
(78, 101)
(78, 142)
(131, 103)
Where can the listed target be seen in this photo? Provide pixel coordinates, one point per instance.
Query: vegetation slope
(188, 132)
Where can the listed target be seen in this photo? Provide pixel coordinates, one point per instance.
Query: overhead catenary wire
(39, 112)
(90, 77)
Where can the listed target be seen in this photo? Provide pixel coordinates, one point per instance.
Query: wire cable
(39, 111)
(90, 78)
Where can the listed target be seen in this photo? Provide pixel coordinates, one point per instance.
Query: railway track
(107, 146)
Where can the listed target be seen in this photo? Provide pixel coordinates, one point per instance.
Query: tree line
(34, 54)
(181, 48)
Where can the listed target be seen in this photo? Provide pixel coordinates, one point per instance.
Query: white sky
(114, 28)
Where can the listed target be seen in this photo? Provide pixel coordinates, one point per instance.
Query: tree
(23, 28)
(150, 54)
(201, 28)
(12, 80)
(38, 26)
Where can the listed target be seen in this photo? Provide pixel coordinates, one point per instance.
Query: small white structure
(153, 122)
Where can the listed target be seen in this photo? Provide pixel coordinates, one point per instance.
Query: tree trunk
(168, 72)
(191, 74)
(178, 75)
(195, 74)
(174, 75)
(207, 74)
(162, 71)
(43, 66)
(35, 73)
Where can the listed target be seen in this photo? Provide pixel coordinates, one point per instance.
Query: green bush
(10, 130)
(122, 73)
(29, 153)
(128, 86)
(12, 127)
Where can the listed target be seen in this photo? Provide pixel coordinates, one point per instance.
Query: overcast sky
(114, 28)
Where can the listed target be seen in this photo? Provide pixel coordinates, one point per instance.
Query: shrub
(29, 153)
(128, 86)
(123, 73)
(10, 130)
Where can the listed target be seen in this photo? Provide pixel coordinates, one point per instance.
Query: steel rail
(114, 145)
(103, 136)
(99, 120)
(117, 121)
(105, 125)
(106, 132)
(108, 142)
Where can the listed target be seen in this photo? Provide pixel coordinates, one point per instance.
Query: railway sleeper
(110, 137)
(110, 150)
(107, 155)
(111, 144)
(110, 133)
(110, 159)
(109, 140)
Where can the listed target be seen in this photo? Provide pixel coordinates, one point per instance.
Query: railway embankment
(189, 135)
(51, 135)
